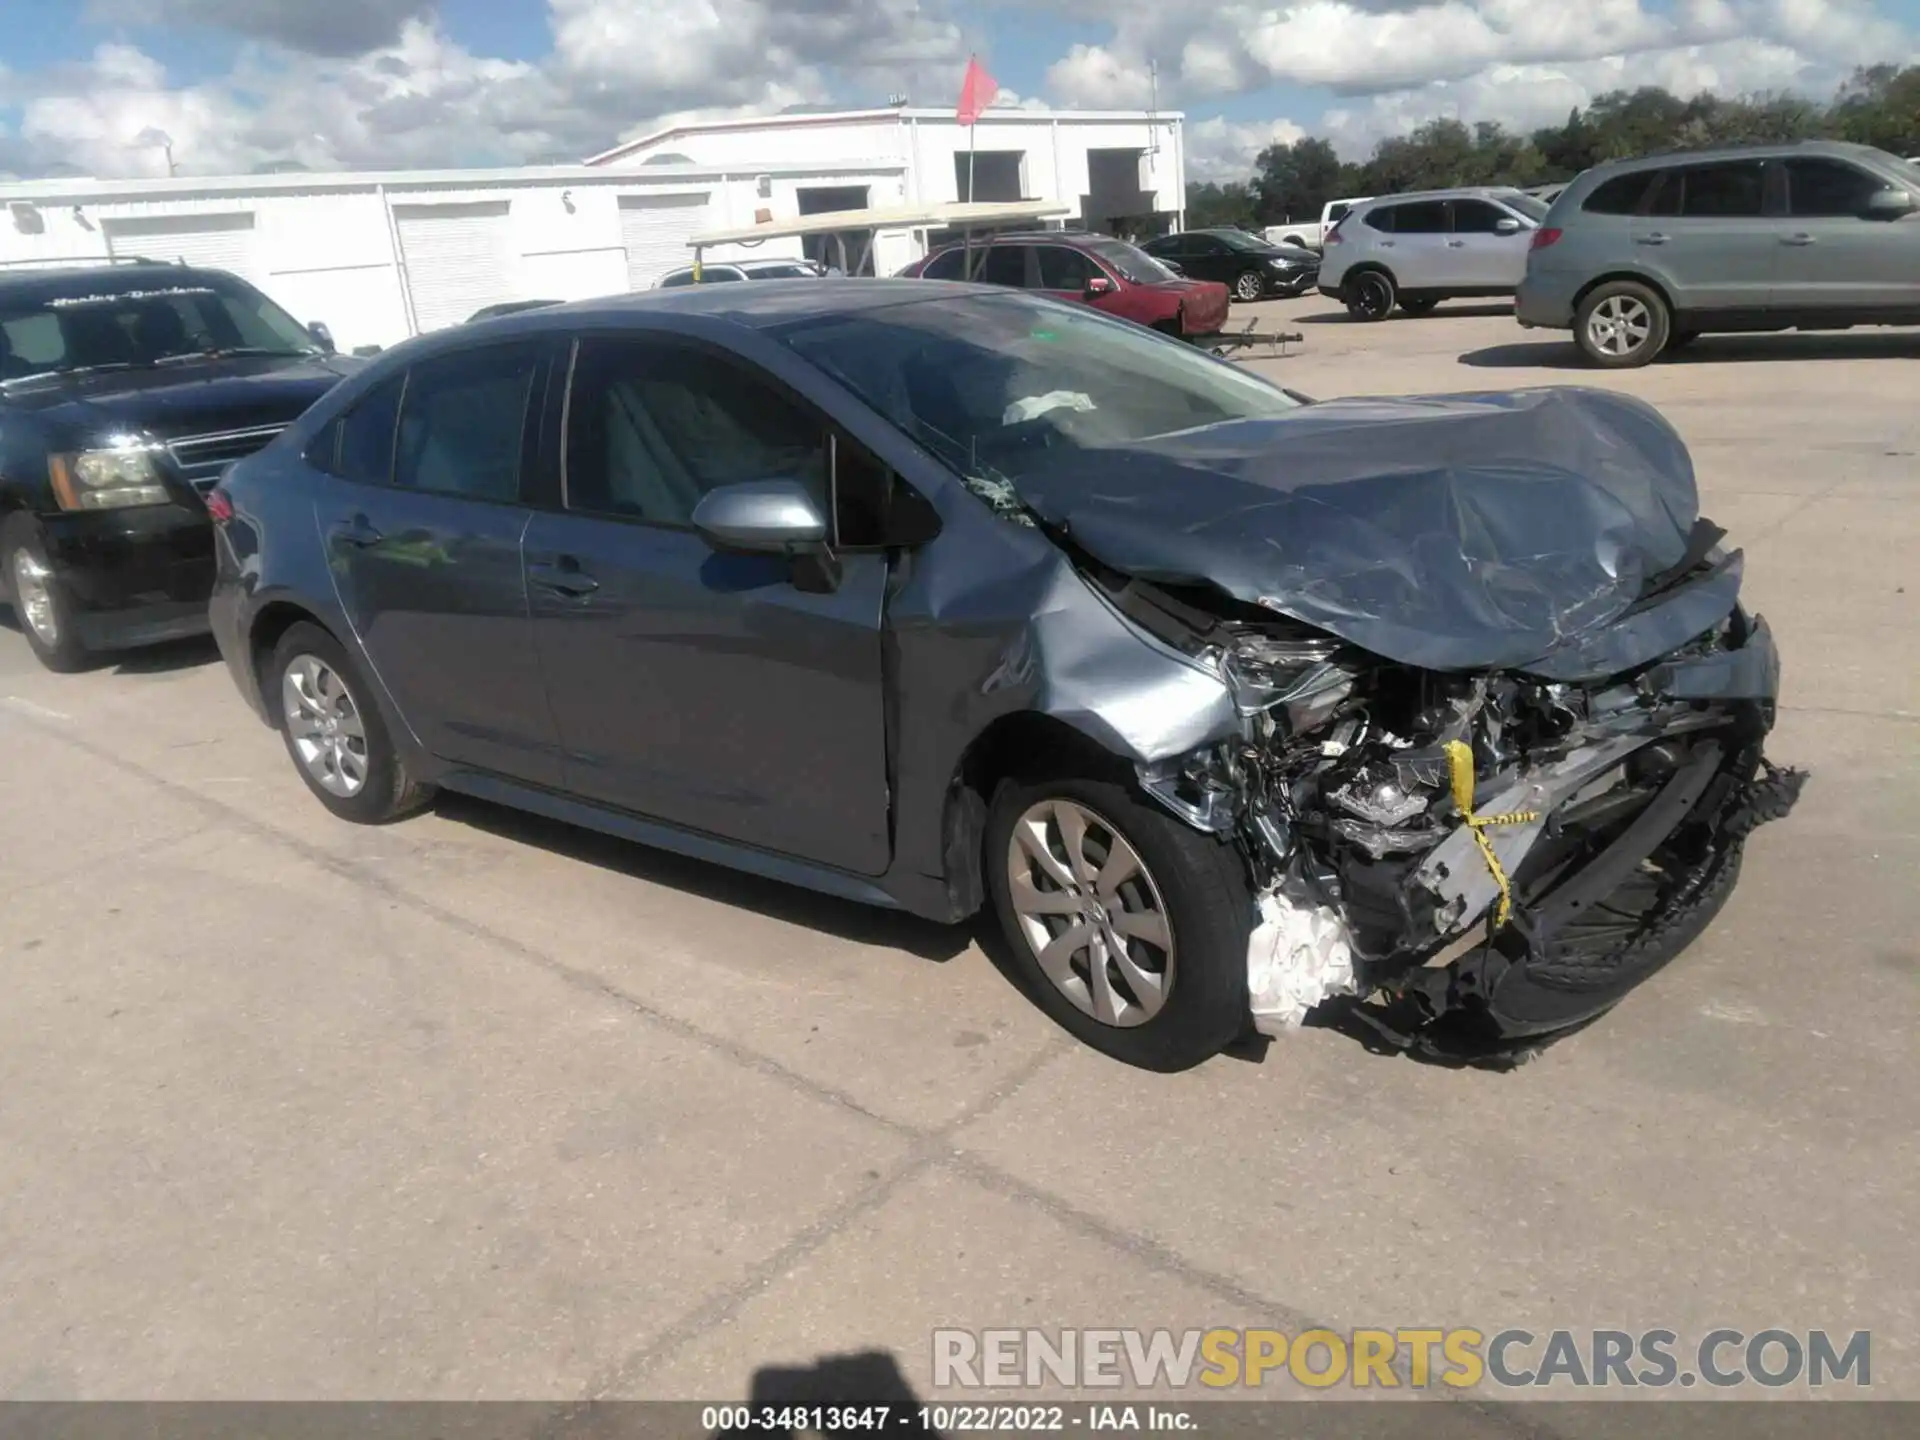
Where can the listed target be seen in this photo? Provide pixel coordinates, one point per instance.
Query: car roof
(1842, 149)
(758, 307)
(1456, 192)
(53, 283)
(1042, 237)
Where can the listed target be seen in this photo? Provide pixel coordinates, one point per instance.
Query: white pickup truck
(1312, 233)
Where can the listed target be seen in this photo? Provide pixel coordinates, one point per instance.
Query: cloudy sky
(92, 85)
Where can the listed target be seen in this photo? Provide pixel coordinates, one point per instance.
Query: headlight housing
(117, 478)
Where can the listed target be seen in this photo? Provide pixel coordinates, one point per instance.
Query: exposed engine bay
(1502, 851)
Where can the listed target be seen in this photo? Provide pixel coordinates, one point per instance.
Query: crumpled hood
(1499, 530)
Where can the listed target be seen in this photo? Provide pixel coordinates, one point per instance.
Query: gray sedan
(1219, 706)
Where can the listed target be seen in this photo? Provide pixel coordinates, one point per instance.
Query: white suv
(1416, 250)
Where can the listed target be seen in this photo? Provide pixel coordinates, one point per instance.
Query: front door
(710, 691)
(1485, 258)
(423, 530)
(1707, 235)
(1414, 245)
(1833, 259)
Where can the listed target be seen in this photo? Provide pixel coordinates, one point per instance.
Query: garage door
(655, 229)
(219, 242)
(458, 259)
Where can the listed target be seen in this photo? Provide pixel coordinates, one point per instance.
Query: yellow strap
(1460, 771)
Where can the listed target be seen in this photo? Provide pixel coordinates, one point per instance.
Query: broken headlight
(1300, 675)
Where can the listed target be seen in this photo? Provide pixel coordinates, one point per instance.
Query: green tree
(1294, 182)
(1212, 204)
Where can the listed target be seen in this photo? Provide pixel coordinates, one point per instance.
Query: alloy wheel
(324, 726)
(1248, 286)
(1619, 325)
(1090, 912)
(33, 593)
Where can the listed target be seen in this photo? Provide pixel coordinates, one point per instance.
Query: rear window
(1619, 196)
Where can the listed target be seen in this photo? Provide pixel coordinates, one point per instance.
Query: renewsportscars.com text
(1458, 1358)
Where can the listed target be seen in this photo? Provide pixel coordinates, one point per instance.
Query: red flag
(977, 92)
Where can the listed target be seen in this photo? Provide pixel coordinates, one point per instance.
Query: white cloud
(322, 27)
(1222, 150)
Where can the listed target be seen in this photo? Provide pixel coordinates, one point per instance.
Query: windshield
(90, 325)
(1251, 244)
(1131, 262)
(1534, 208)
(994, 384)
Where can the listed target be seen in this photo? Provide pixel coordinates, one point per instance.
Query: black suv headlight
(116, 478)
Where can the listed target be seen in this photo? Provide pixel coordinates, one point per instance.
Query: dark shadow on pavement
(847, 919)
(1480, 309)
(1561, 354)
(165, 659)
(841, 1382)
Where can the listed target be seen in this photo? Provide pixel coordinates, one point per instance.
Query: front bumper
(133, 577)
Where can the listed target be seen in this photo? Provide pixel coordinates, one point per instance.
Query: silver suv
(1416, 250)
(1643, 256)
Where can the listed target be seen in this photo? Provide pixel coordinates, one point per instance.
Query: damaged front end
(1497, 850)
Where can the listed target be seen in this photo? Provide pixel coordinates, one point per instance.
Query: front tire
(334, 733)
(1621, 325)
(1249, 285)
(1371, 295)
(1127, 927)
(39, 598)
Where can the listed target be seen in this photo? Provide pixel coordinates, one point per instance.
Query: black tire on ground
(1621, 325)
(1249, 285)
(388, 792)
(1417, 305)
(1203, 890)
(1370, 295)
(21, 543)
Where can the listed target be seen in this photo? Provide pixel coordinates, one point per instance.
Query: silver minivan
(1418, 249)
(1645, 255)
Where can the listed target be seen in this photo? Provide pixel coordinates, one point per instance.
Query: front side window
(653, 425)
(463, 423)
(1819, 189)
(90, 322)
(1478, 217)
(996, 385)
(1062, 268)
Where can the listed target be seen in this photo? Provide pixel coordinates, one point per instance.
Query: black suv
(125, 392)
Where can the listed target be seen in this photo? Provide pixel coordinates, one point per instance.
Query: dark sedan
(951, 599)
(1250, 267)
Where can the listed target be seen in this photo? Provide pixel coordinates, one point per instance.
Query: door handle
(1656, 238)
(1456, 244)
(563, 577)
(359, 533)
(1801, 239)
(1386, 244)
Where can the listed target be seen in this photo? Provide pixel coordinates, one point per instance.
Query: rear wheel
(38, 597)
(1125, 926)
(1249, 285)
(1370, 295)
(334, 732)
(1621, 325)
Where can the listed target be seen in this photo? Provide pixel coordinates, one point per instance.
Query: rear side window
(1619, 196)
(944, 266)
(1005, 265)
(365, 452)
(463, 423)
(1817, 188)
(1380, 218)
(1731, 190)
(1422, 217)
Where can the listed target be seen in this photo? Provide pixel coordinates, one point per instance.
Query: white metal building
(379, 257)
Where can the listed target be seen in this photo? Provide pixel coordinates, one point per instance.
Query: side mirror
(322, 336)
(1099, 285)
(761, 517)
(1891, 204)
(1506, 226)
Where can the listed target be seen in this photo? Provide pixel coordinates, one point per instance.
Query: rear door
(1414, 243)
(423, 525)
(1483, 257)
(1705, 231)
(1833, 259)
(710, 691)
(1006, 265)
